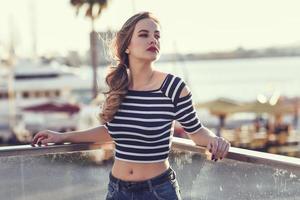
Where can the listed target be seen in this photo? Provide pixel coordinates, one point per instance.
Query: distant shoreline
(194, 57)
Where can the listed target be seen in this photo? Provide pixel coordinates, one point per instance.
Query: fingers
(36, 141)
(213, 146)
(219, 148)
(45, 141)
(217, 154)
(38, 138)
(226, 150)
(222, 148)
(39, 141)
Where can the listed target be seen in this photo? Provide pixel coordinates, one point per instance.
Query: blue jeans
(161, 187)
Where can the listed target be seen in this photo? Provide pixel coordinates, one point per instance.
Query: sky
(187, 26)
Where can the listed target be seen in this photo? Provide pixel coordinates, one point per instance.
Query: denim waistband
(169, 174)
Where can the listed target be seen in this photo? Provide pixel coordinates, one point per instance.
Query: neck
(141, 74)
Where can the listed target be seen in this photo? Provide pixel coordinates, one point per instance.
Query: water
(239, 79)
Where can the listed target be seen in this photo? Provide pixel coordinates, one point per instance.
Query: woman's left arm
(218, 146)
(186, 115)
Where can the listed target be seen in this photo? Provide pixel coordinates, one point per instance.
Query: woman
(138, 114)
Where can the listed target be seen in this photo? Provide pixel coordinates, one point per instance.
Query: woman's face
(144, 44)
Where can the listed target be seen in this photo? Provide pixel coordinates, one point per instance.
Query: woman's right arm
(94, 135)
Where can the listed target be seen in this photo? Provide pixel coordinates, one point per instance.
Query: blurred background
(241, 59)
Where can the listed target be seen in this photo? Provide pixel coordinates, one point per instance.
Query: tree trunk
(94, 60)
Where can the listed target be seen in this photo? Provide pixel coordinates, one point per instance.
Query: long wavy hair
(117, 79)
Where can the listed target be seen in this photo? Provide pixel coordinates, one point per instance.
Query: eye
(143, 35)
(157, 37)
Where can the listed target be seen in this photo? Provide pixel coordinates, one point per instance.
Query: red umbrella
(54, 107)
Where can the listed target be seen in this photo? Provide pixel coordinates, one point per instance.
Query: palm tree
(93, 9)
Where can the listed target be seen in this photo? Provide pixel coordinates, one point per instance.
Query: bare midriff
(131, 171)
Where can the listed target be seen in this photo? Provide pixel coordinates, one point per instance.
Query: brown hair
(117, 79)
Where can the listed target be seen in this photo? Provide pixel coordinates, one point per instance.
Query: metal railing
(69, 171)
(237, 154)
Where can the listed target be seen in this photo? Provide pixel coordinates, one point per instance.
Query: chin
(152, 58)
(148, 57)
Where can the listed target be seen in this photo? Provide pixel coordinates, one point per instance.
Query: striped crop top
(142, 126)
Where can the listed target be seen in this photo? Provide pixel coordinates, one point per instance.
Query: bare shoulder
(185, 91)
(160, 74)
(161, 77)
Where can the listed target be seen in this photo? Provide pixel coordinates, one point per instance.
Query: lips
(152, 49)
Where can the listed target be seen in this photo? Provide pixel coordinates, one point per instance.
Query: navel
(131, 171)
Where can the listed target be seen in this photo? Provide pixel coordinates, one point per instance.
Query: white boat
(38, 83)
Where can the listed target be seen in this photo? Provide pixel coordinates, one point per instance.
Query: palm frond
(93, 8)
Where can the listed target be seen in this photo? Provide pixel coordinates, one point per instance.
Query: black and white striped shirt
(141, 128)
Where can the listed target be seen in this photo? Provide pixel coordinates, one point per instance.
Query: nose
(153, 41)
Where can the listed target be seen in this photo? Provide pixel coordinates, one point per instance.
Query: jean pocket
(110, 192)
(167, 191)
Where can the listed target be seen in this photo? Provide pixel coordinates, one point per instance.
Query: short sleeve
(185, 112)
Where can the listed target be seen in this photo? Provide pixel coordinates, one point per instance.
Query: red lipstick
(152, 49)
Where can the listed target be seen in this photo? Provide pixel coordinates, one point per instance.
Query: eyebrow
(143, 30)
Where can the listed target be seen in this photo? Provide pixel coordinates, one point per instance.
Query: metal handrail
(28, 150)
(243, 155)
(234, 153)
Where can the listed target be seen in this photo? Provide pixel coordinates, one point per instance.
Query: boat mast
(11, 77)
